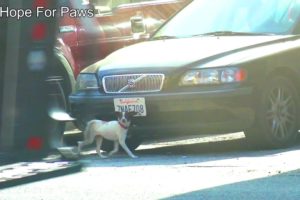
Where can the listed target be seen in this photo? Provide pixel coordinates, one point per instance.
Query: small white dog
(115, 131)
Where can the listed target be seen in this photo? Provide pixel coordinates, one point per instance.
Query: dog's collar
(123, 126)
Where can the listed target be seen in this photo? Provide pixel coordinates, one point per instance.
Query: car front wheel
(277, 115)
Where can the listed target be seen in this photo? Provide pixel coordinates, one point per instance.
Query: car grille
(133, 83)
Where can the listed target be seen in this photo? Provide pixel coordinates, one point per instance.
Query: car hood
(175, 53)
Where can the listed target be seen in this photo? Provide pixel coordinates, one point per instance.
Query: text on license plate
(131, 105)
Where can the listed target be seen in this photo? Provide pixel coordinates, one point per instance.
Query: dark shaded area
(283, 186)
(29, 41)
(3, 25)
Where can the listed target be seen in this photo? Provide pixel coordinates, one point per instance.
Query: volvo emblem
(131, 83)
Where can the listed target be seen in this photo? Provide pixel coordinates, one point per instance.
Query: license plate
(131, 105)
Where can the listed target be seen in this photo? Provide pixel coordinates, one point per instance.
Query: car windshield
(230, 17)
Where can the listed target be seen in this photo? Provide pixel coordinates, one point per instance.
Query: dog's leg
(81, 144)
(116, 148)
(99, 140)
(124, 146)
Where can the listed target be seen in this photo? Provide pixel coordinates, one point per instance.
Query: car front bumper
(217, 111)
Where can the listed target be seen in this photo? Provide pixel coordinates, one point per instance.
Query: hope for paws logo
(45, 12)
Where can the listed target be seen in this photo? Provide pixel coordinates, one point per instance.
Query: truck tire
(59, 89)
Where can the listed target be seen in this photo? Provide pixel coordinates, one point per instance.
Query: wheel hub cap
(281, 113)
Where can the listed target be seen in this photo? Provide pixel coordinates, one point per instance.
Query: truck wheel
(59, 89)
(56, 102)
(277, 115)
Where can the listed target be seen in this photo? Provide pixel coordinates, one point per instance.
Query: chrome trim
(141, 77)
(67, 29)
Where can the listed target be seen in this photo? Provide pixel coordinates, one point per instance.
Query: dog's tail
(88, 138)
(87, 134)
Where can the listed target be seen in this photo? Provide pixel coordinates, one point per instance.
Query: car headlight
(86, 82)
(213, 76)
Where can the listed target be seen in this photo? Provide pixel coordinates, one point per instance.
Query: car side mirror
(137, 24)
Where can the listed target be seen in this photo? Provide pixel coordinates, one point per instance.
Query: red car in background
(115, 24)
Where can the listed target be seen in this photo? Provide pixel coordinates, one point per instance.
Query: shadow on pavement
(283, 186)
(183, 154)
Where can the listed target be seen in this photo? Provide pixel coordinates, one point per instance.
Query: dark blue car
(215, 67)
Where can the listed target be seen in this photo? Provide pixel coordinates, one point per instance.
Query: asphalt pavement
(220, 167)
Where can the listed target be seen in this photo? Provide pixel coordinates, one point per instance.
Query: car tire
(277, 115)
